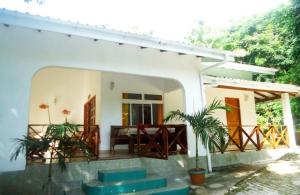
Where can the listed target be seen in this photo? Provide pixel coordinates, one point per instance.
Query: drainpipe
(203, 101)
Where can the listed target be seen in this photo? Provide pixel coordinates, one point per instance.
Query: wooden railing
(90, 135)
(249, 137)
(158, 141)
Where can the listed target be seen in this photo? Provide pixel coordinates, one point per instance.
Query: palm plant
(60, 140)
(207, 128)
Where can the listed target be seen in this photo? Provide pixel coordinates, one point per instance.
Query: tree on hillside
(270, 40)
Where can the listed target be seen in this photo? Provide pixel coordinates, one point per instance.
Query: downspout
(203, 101)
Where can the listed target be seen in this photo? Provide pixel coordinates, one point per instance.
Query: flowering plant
(66, 113)
(59, 140)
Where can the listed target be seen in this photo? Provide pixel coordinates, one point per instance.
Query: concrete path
(275, 177)
(279, 177)
(221, 180)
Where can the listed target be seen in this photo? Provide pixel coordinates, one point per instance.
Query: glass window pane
(137, 114)
(125, 114)
(158, 115)
(133, 96)
(147, 113)
(153, 97)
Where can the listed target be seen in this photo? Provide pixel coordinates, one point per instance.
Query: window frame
(142, 102)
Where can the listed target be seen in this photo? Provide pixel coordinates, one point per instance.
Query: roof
(26, 20)
(99, 32)
(263, 91)
(246, 67)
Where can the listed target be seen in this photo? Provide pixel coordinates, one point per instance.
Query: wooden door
(89, 113)
(234, 119)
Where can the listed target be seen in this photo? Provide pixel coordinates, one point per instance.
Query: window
(146, 110)
(158, 115)
(153, 97)
(126, 114)
(133, 96)
(137, 114)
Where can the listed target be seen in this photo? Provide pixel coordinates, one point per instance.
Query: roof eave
(248, 68)
(94, 32)
(260, 86)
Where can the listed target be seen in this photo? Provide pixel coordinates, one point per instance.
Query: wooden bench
(118, 136)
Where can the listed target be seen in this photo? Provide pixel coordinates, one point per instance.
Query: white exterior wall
(25, 51)
(63, 89)
(173, 100)
(111, 99)
(66, 88)
(246, 99)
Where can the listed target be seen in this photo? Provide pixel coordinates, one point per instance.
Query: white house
(65, 64)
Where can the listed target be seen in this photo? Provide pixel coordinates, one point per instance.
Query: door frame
(240, 140)
(86, 119)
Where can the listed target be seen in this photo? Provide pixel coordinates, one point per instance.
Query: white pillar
(203, 102)
(288, 119)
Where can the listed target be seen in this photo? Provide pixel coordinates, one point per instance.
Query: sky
(166, 19)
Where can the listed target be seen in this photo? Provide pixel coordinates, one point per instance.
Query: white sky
(167, 19)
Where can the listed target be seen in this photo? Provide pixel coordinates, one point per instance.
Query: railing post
(287, 135)
(273, 137)
(257, 137)
(97, 140)
(138, 138)
(166, 143)
(241, 138)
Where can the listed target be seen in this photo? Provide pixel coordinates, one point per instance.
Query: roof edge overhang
(246, 67)
(251, 85)
(26, 20)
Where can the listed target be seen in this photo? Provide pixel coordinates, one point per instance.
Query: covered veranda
(118, 115)
(244, 133)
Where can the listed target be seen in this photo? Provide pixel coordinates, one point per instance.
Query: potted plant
(59, 140)
(206, 128)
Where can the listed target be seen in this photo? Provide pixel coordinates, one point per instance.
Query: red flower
(44, 106)
(66, 112)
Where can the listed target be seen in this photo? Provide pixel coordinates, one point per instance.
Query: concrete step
(96, 187)
(122, 174)
(171, 189)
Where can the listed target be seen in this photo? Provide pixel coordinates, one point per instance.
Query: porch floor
(103, 155)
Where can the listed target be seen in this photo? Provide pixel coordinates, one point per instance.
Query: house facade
(133, 79)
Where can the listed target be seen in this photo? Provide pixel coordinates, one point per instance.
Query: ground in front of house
(278, 177)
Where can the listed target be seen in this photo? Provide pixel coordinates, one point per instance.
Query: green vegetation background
(269, 40)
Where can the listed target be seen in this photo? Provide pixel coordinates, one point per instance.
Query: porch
(131, 115)
(161, 141)
(118, 115)
(245, 131)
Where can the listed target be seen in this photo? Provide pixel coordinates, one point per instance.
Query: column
(288, 119)
(203, 103)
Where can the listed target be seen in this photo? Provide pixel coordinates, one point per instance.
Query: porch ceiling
(263, 91)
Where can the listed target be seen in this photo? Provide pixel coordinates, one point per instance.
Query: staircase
(132, 181)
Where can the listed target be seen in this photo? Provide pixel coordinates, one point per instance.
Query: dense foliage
(270, 40)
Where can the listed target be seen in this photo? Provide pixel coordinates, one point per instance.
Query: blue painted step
(171, 189)
(122, 174)
(97, 187)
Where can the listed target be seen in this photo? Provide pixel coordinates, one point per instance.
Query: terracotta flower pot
(197, 176)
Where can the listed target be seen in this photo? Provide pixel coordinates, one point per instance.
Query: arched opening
(116, 103)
